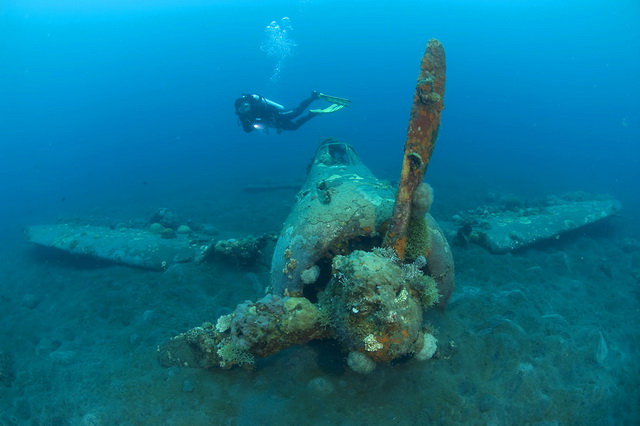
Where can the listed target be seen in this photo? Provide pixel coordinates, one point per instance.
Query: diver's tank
(272, 104)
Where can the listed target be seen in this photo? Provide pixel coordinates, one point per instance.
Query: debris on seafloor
(328, 279)
(241, 251)
(511, 228)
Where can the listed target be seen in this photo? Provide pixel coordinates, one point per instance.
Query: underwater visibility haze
(119, 116)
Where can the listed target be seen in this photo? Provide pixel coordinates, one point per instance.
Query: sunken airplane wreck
(357, 261)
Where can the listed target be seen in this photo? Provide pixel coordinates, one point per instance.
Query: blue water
(109, 111)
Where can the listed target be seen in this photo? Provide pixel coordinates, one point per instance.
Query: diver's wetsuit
(256, 112)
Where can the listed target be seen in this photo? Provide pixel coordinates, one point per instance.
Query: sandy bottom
(546, 336)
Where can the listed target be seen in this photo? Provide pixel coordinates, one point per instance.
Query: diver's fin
(331, 108)
(334, 99)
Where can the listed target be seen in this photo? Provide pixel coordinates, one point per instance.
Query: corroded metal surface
(424, 122)
(508, 231)
(135, 247)
(341, 202)
(440, 262)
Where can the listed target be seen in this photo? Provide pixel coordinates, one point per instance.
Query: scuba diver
(255, 112)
